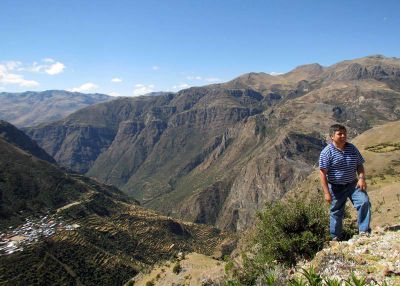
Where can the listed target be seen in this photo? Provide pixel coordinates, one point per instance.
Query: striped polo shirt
(341, 165)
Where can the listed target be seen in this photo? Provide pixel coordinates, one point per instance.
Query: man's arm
(324, 183)
(361, 177)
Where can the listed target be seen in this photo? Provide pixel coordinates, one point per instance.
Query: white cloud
(194, 77)
(141, 89)
(17, 79)
(212, 79)
(116, 79)
(113, 93)
(12, 65)
(48, 65)
(55, 68)
(155, 68)
(180, 86)
(275, 73)
(10, 78)
(10, 71)
(89, 86)
(33, 68)
(207, 79)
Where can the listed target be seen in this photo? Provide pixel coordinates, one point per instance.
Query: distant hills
(33, 108)
(216, 154)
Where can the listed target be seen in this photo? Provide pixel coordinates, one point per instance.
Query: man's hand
(325, 187)
(328, 198)
(361, 178)
(362, 184)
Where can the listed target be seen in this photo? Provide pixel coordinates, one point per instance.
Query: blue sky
(132, 47)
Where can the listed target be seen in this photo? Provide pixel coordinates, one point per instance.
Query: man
(339, 164)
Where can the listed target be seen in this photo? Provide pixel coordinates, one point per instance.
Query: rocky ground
(376, 257)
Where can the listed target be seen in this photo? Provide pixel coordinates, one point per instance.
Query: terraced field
(114, 242)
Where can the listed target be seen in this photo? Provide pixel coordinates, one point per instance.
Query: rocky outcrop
(375, 257)
(205, 206)
(268, 176)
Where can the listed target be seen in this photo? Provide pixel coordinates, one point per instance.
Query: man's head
(338, 134)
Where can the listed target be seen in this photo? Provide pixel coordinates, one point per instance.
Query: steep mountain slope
(74, 230)
(380, 147)
(216, 154)
(14, 136)
(33, 108)
(31, 186)
(79, 139)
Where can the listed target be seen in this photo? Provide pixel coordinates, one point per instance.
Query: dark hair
(336, 127)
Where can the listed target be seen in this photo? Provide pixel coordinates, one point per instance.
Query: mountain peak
(375, 67)
(304, 72)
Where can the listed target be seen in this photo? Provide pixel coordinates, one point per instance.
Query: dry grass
(379, 148)
(196, 268)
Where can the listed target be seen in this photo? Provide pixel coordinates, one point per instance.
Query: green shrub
(354, 281)
(150, 283)
(287, 231)
(308, 278)
(177, 268)
(291, 230)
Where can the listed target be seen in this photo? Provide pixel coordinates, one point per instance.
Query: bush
(291, 230)
(177, 268)
(287, 231)
(150, 283)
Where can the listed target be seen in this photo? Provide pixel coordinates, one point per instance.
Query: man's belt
(343, 185)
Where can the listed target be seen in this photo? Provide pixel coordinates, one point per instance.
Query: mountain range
(33, 108)
(216, 154)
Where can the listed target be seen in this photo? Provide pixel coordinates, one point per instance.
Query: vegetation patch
(384, 147)
(287, 232)
(177, 268)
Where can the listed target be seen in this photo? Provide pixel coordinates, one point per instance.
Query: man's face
(339, 137)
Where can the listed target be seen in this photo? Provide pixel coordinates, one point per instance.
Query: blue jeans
(360, 201)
